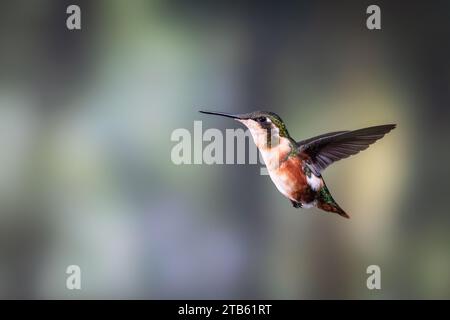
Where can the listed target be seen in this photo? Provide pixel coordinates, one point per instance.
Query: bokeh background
(86, 176)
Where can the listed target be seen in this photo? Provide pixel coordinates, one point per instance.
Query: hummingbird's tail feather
(332, 208)
(327, 203)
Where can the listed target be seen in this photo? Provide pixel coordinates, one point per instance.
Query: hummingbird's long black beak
(228, 115)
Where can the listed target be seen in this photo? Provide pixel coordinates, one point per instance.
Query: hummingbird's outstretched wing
(329, 134)
(330, 147)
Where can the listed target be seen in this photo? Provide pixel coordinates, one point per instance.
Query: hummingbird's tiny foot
(296, 204)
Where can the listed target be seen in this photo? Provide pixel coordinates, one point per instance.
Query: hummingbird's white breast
(274, 159)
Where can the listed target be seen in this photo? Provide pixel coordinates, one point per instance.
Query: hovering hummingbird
(296, 167)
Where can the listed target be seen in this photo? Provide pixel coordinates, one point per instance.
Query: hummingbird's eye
(261, 119)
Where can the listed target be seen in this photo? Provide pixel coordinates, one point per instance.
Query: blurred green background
(86, 176)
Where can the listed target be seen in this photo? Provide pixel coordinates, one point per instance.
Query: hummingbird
(296, 167)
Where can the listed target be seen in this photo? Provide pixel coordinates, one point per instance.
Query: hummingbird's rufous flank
(296, 167)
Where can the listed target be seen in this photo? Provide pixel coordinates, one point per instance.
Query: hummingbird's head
(266, 127)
